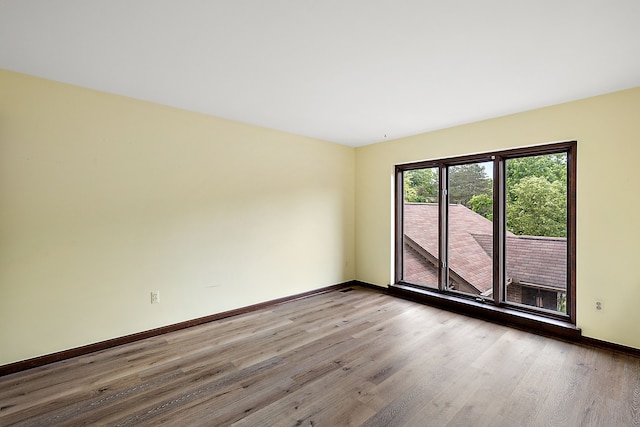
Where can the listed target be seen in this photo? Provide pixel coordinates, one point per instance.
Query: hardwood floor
(354, 357)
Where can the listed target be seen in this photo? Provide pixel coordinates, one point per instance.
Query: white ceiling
(348, 71)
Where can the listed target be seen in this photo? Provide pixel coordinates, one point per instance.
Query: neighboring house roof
(531, 260)
(534, 260)
(418, 269)
(466, 257)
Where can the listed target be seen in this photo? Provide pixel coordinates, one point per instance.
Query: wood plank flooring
(351, 357)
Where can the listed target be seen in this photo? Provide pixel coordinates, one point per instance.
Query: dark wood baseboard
(504, 316)
(606, 345)
(377, 288)
(102, 345)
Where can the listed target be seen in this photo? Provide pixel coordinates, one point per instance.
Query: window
(496, 228)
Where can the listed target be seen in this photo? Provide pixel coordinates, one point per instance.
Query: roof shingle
(531, 259)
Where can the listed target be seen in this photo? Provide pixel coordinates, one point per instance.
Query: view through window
(421, 226)
(536, 243)
(495, 227)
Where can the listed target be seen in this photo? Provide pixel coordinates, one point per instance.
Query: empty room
(279, 213)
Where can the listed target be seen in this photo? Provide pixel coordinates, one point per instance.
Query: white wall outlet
(155, 297)
(598, 304)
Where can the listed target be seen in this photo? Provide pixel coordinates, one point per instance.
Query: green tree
(466, 181)
(537, 207)
(537, 195)
(536, 192)
(421, 185)
(483, 205)
(552, 167)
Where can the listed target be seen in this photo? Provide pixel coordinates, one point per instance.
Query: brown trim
(606, 345)
(127, 339)
(508, 316)
(399, 223)
(499, 235)
(383, 289)
(443, 228)
(532, 150)
(572, 207)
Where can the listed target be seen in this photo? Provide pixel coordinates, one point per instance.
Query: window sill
(506, 316)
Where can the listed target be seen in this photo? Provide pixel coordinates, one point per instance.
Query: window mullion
(571, 232)
(443, 230)
(499, 218)
(399, 224)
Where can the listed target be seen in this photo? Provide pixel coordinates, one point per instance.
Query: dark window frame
(499, 301)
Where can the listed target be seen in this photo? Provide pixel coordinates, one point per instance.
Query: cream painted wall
(607, 129)
(104, 199)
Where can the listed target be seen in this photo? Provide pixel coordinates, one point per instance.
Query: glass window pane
(536, 241)
(420, 213)
(470, 245)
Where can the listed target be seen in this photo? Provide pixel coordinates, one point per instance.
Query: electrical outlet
(599, 304)
(155, 297)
